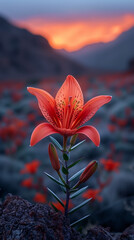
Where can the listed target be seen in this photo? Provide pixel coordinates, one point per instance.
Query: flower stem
(67, 181)
(64, 143)
(67, 194)
(63, 180)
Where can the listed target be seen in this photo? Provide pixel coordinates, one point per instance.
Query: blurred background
(41, 42)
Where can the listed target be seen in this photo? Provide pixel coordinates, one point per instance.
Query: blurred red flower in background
(110, 165)
(8, 132)
(39, 197)
(27, 182)
(93, 193)
(112, 127)
(122, 122)
(12, 127)
(60, 207)
(31, 167)
(12, 131)
(16, 96)
(31, 117)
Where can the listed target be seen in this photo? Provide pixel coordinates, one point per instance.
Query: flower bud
(54, 157)
(73, 139)
(88, 172)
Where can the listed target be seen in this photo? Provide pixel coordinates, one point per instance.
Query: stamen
(75, 106)
(73, 120)
(74, 100)
(70, 110)
(69, 99)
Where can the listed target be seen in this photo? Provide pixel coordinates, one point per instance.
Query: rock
(128, 234)
(20, 219)
(98, 233)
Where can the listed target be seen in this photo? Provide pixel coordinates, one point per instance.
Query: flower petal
(66, 132)
(69, 94)
(91, 132)
(46, 104)
(41, 131)
(90, 108)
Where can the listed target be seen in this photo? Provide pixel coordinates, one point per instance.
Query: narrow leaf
(77, 145)
(62, 186)
(76, 174)
(56, 143)
(55, 196)
(54, 179)
(55, 208)
(80, 205)
(78, 192)
(73, 164)
(80, 220)
(64, 170)
(74, 190)
(61, 162)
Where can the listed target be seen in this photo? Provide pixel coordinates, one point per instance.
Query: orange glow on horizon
(73, 35)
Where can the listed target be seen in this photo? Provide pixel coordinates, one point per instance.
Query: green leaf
(77, 145)
(65, 156)
(62, 179)
(73, 164)
(56, 197)
(55, 208)
(62, 186)
(78, 192)
(80, 220)
(76, 175)
(54, 179)
(64, 170)
(56, 143)
(74, 190)
(80, 205)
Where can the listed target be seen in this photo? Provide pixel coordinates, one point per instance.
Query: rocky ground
(20, 219)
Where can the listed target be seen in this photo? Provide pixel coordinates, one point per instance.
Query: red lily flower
(67, 112)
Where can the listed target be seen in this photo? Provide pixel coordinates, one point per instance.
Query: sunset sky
(71, 24)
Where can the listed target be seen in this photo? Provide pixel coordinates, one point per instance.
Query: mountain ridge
(26, 55)
(116, 54)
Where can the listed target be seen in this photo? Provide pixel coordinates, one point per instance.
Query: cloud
(74, 34)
